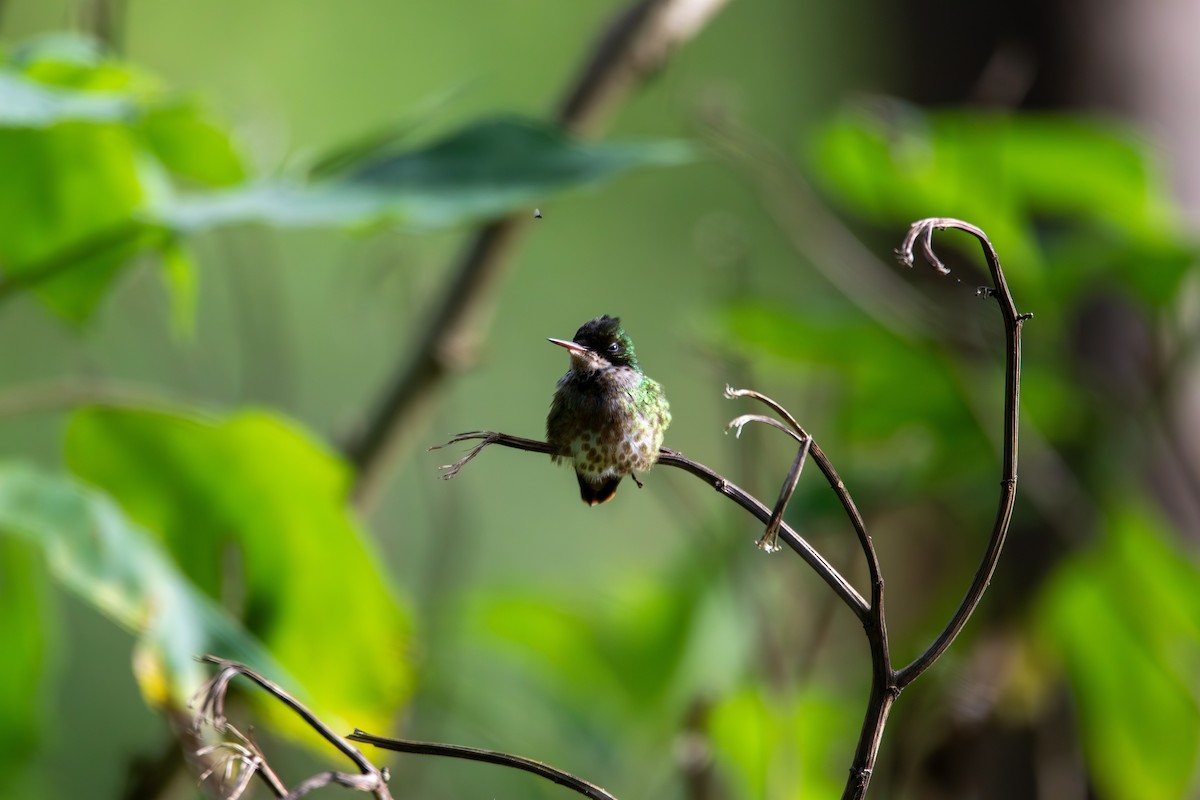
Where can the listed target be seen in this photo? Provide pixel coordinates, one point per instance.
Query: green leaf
(27, 671)
(253, 508)
(99, 554)
(190, 145)
(660, 638)
(864, 364)
(69, 194)
(72, 61)
(1124, 620)
(784, 747)
(82, 140)
(1032, 181)
(482, 171)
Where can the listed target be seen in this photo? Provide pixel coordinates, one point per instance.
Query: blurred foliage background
(225, 227)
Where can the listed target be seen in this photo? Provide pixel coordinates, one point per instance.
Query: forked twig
(211, 709)
(241, 762)
(246, 760)
(769, 541)
(886, 683)
(831, 475)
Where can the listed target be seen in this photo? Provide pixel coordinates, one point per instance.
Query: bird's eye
(614, 348)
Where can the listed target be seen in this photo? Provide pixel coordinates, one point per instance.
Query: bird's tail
(595, 493)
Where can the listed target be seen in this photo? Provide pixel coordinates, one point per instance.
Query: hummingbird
(607, 416)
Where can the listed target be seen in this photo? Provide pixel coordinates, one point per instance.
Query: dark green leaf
(484, 170)
(1027, 179)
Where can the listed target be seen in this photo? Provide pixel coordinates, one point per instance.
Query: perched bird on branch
(607, 416)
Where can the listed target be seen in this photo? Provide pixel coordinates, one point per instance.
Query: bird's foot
(640, 485)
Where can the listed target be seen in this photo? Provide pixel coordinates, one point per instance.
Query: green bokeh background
(504, 561)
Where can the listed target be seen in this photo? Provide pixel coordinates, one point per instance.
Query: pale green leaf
(98, 553)
(25, 103)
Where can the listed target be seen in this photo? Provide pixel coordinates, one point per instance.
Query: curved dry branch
(561, 777)
(673, 458)
(886, 682)
(839, 488)
(922, 233)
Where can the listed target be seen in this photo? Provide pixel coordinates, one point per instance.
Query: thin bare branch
(769, 541)
(487, 437)
(561, 777)
(673, 458)
(745, 419)
(357, 782)
(887, 683)
(922, 233)
(239, 762)
(732, 393)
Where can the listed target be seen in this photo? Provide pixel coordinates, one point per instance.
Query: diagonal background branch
(633, 48)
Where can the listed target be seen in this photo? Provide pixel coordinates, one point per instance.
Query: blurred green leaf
(75, 61)
(82, 140)
(782, 747)
(254, 509)
(663, 640)
(69, 194)
(97, 552)
(27, 671)
(1124, 619)
(26, 103)
(887, 388)
(1032, 181)
(484, 170)
(191, 145)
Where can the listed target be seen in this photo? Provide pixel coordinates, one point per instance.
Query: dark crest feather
(600, 333)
